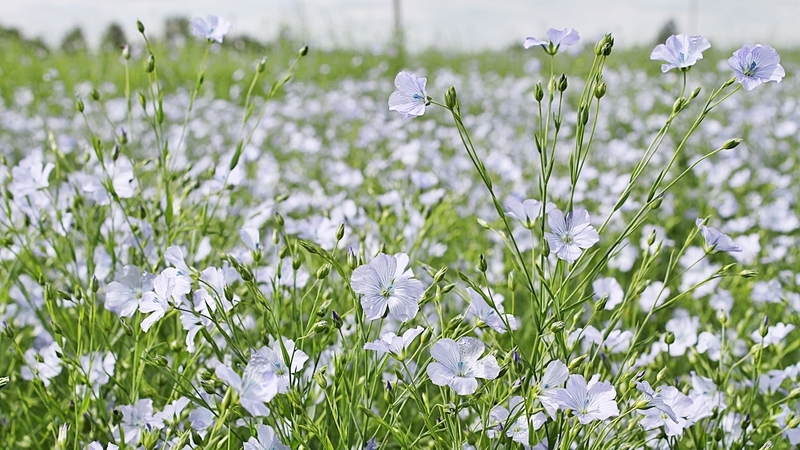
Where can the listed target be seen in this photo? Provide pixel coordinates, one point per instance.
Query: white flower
(267, 440)
(135, 419)
(519, 429)
(670, 409)
(278, 365)
(588, 401)
(775, 334)
(608, 287)
(457, 364)
(555, 40)
(125, 292)
(570, 234)
(716, 241)
(680, 51)
(555, 375)
(29, 176)
(392, 343)
(44, 364)
(496, 319)
(212, 28)
(251, 238)
(98, 369)
(410, 98)
(98, 446)
(528, 211)
(156, 301)
(383, 283)
(257, 387)
(172, 412)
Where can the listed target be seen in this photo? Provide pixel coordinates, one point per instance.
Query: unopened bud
(601, 303)
(320, 327)
(600, 90)
(323, 271)
(694, 94)
(126, 51)
(4, 382)
(669, 338)
(319, 377)
(262, 65)
(538, 91)
(557, 326)
(562, 83)
(748, 273)
(450, 97)
(126, 327)
(439, 275)
(763, 329)
(140, 26)
(732, 143)
(79, 105)
(656, 203)
(142, 100)
(575, 363)
(296, 263)
(151, 63)
(337, 320)
(340, 232)
(482, 266)
(303, 51)
(352, 261)
(279, 219)
(511, 281)
(95, 94)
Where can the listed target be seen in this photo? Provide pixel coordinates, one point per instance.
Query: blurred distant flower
(527, 211)
(410, 98)
(555, 40)
(457, 365)
(213, 28)
(570, 234)
(392, 343)
(251, 238)
(267, 440)
(756, 64)
(493, 317)
(385, 283)
(680, 51)
(257, 387)
(716, 241)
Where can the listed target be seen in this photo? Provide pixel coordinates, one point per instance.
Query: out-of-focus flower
(527, 211)
(156, 301)
(392, 343)
(680, 51)
(410, 98)
(670, 408)
(557, 40)
(385, 283)
(136, 419)
(496, 319)
(125, 292)
(280, 367)
(213, 28)
(257, 387)
(756, 64)
(457, 364)
(555, 374)
(266, 440)
(570, 234)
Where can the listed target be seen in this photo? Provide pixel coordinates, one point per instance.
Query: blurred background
(469, 25)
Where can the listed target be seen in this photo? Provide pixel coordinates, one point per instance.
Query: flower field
(212, 248)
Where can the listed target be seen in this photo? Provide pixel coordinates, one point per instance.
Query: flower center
(751, 69)
(461, 369)
(388, 290)
(567, 238)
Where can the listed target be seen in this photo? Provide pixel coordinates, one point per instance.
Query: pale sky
(464, 24)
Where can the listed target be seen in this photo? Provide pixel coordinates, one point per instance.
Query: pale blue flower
(392, 343)
(570, 234)
(258, 386)
(267, 440)
(495, 318)
(213, 28)
(716, 241)
(588, 401)
(756, 64)
(557, 40)
(410, 98)
(527, 211)
(385, 283)
(680, 51)
(458, 365)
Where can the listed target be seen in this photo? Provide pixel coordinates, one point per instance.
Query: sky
(449, 24)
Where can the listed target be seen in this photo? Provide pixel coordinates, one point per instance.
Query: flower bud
(538, 91)
(511, 281)
(140, 26)
(79, 105)
(296, 263)
(601, 304)
(95, 94)
(732, 143)
(557, 325)
(340, 232)
(575, 363)
(748, 273)
(669, 338)
(337, 320)
(546, 248)
(4, 382)
(562, 83)
(323, 271)
(439, 275)
(451, 98)
(482, 266)
(142, 100)
(694, 94)
(320, 327)
(151, 63)
(661, 374)
(656, 203)
(763, 329)
(719, 435)
(600, 90)
(126, 327)
(319, 377)
(352, 261)
(262, 65)
(679, 104)
(279, 219)
(303, 51)
(126, 51)
(116, 416)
